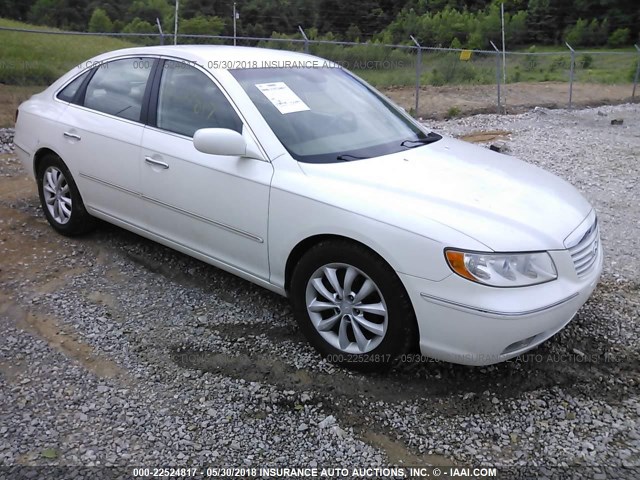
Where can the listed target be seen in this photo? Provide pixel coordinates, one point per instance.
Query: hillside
(37, 59)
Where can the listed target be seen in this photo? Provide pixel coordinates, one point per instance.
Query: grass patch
(39, 59)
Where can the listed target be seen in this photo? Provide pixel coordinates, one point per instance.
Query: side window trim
(78, 98)
(145, 114)
(154, 92)
(85, 75)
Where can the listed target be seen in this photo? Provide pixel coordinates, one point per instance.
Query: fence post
(497, 74)
(573, 66)
(160, 31)
(635, 79)
(418, 73)
(306, 40)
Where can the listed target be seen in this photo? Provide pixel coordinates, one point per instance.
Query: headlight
(503, 269)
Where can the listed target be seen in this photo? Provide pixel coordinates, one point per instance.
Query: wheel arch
(39, 155)
(306, 244)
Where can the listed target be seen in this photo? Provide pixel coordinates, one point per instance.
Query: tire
(60, 198)
(364, 327)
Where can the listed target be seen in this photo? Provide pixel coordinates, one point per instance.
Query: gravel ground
(118, 351)
(6, 140)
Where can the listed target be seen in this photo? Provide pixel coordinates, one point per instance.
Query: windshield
(324, 115)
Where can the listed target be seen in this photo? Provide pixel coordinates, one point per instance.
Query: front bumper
(467, 323)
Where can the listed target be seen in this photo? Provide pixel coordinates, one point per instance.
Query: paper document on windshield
(282, 97)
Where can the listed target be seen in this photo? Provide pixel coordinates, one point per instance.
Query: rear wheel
(351, 305)
(60, 198)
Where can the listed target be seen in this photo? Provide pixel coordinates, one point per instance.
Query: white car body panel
(467, 188)
(216, 205)
(104, 159)
(247, 215)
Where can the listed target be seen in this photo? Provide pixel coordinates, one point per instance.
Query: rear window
(117, 87)
(68, 93)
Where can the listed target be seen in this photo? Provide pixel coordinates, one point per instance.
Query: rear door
(102, 132)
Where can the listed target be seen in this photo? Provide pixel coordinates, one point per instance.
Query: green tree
(16, 9)
(620, 38)
(353, 33)
(578, 33)
(200, 25)
(100, 21)
(45, 12)
(138, 25)
(540, 21)
(149, 10)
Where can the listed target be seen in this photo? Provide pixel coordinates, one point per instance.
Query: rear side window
(118, 87)
(68, 93)
(188, 100)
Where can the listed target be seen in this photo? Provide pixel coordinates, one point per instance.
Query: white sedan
(294, 174)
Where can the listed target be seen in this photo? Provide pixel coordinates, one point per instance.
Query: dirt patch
(439, 102)
(542, 368)
(62, 338)
(486, 136)
(399, 454)
(12, 188)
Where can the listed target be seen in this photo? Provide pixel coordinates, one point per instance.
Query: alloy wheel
(57, 194)
(347, 308)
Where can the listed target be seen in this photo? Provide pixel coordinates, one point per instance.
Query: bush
(585, 61)
(465, 73)
(517, 75)
(531, 61)
(559, 62)
(436, 79)
(620, 38)
(452, 112)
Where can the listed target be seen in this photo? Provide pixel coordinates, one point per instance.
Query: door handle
(72, 136)
(156, 163)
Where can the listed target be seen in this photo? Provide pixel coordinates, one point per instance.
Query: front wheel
(351, 305)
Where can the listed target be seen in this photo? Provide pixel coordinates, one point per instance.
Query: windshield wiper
(430, 138)
(345, 157)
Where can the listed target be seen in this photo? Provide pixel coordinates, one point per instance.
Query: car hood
(500, 201)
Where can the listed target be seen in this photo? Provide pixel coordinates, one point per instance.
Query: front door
(216, 206)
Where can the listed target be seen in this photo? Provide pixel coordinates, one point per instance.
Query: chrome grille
(585, 252)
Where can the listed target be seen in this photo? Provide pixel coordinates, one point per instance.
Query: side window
(68, 93)
(118, 87)
(188, 100)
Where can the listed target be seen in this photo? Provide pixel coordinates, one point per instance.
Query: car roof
(226, 57)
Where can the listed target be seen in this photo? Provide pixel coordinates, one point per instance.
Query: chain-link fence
(426, 81)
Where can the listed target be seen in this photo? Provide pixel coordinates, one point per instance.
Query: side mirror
(220, 141)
